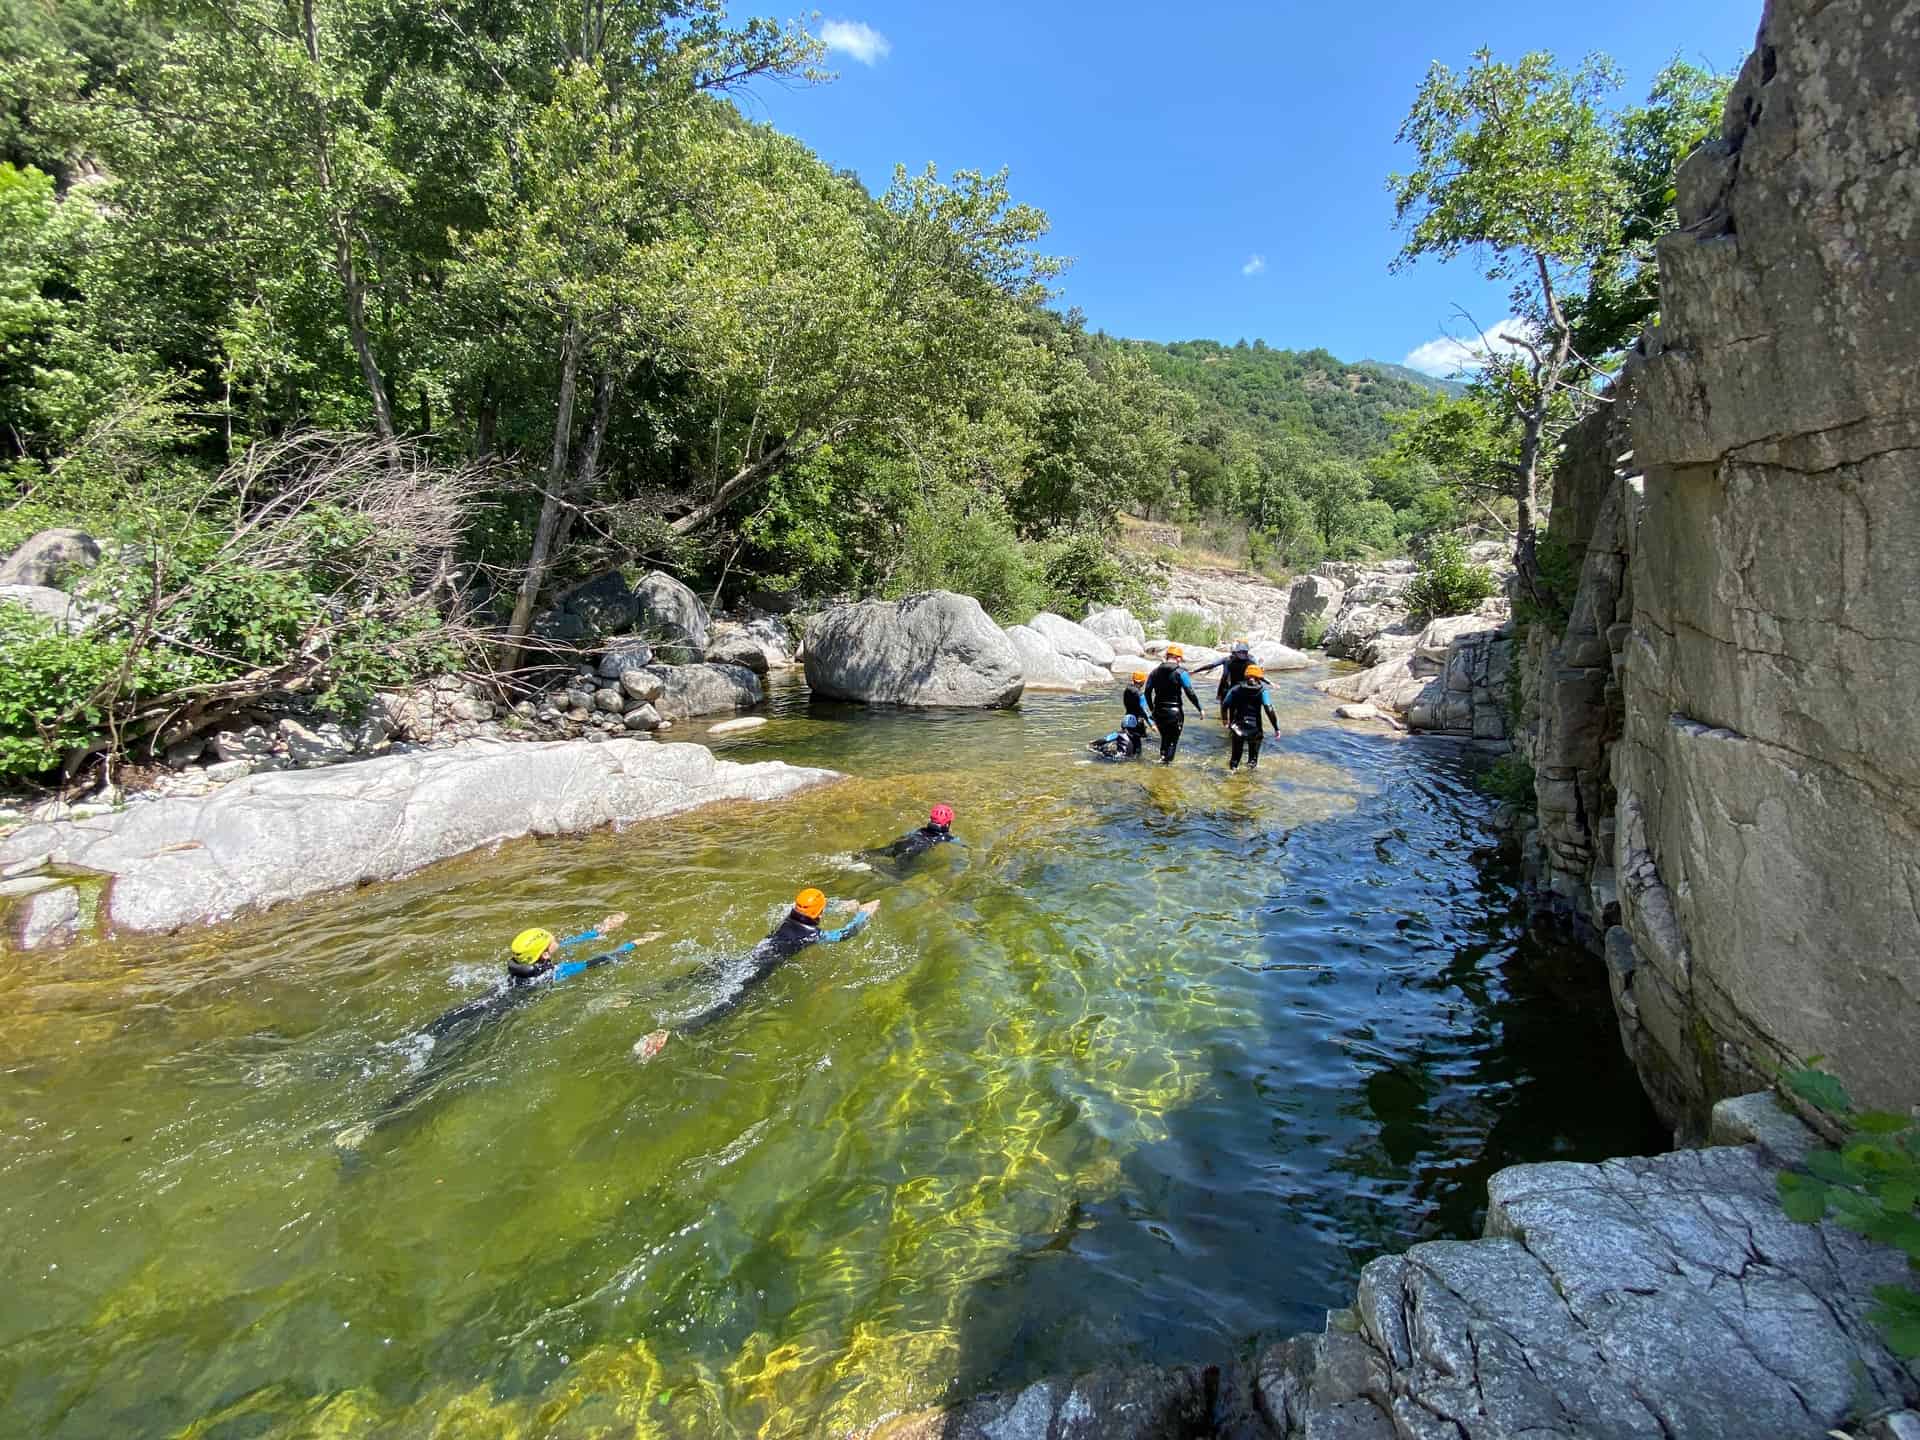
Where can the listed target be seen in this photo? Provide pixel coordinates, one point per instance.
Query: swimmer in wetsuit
(1134, 703)
(800, 929)
(1122, 744)
(1240, 713)
(535, 963)
(937, 831)
(1168, 690)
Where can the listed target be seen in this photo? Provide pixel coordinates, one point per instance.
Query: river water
(1147, 1067)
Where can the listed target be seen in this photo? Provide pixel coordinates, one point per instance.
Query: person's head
(531, 947)
(1240, 647)
(1255, 672)
(1139, 677)
(1132, 722)
(1175, 654)
(810, 904)
(940, 817)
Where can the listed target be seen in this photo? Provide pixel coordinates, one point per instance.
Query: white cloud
(1446, 355)
(858, 39)
(1256, 265)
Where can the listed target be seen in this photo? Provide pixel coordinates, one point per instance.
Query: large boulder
(43, 600)
(625, 655)
(729, 643)
(671, 614)
(1358, 625)
(1119, 628)
(926, 650)
(49, 557)
(1045, 668)
(1272, 656)
(604, 605)
(1076, 642)
(273, 838)
(1312, 597)
(689, 690)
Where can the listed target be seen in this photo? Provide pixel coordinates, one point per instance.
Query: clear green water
(1149, 1067)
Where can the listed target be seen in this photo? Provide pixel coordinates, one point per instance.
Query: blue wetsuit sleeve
(1266, 702)
(569, 968)
(580, 939)
(846, 931)
(1187, 685)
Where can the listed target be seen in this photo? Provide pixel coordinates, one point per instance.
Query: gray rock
(1075, 642)
(26, 885)
(1044, 668)
(613, 700)
(729, 644)
(227, 771)
(925, 650)
(273, 838)
(50, 557)
(643, 717)
(55, 605)
(689, 690)
(183, 753)
(1274, 657)
(1312, 596)
(252, 743)
(605, 605)
(623, 656)
(51, 918)
(26, 865)
(1143, 1404)
(1121, 629)
(642, 684)
(325, 744)
(669, 612)
(374, 727)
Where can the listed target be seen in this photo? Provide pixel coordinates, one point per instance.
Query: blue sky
(1216, 169)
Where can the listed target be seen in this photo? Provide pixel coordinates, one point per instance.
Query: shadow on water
(1146, 1066)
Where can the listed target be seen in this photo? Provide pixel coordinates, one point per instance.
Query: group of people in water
(1156, 703)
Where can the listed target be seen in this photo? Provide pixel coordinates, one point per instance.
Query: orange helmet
(810, 903)
(1176, 652)
(1254, 672)
(1139, 677)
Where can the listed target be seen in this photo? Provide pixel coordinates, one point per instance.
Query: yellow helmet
(1176, 652)
(1255, 672)
(530, 945)
(810, 903)
(1139, 677)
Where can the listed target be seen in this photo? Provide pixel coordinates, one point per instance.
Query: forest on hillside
(359, 330)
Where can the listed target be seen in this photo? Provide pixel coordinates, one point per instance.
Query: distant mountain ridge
(1272, 393)
(1449, 388)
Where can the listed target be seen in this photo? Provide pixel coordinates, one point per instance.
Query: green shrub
(1870, 1184)
(1085, 572)
(1448, 583)
(53, 690)
(1510, 781)
(968, 546)
(1558, 582)
(1313, 630)
(1188, 627)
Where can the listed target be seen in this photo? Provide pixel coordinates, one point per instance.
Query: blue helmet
(1132, 722)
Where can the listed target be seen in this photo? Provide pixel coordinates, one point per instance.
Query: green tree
(1515, 165)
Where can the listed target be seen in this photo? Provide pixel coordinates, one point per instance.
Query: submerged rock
(1148, 1403)
(926, 650)
(278, 837)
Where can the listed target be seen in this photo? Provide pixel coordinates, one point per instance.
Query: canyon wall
(1724, 733)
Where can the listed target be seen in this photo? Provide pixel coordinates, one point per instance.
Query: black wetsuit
(915, 843)
(1232, 668)
(1168, 690)
(794, 934)
(453, 1032)
(1241, 710)
(1122, 744)
(1135, 705)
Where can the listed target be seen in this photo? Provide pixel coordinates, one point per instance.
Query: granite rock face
(1724, 732)
(926, 650)
(50, 557)
(273, 838)
(1043, 667)
(689, 690)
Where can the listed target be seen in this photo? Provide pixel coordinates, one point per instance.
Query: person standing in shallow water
(800, 929)
(1240, 713)
(1167, 692)
(1232, 667)
(1134, 704)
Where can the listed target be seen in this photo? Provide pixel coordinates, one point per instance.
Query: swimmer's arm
(573, 967)
(1187, 686)
(598, 932)
(852, 927)
(1267, 705)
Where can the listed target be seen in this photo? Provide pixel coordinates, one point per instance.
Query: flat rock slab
(1668, 1298)
(1142, 1404)
(278, 837)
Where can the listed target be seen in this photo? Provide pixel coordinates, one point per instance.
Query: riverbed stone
(50, 557)
(1045, 668)
(1119, 627)
(51, 604)
(1076, 642)
(613, 699)
(50, 918)
(322, 744)
(690, 690)
(624, 655)
(642, 717)
(670, 613)
(278, 837)
(1148, 1403)
(926, 650)
(1312, 597)
(732, 644)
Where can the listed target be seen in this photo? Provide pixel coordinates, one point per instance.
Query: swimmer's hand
(870, 907)
(648, 1046)
(611, 923)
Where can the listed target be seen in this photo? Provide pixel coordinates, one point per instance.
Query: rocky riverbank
(269, 838)
(1668, 1298)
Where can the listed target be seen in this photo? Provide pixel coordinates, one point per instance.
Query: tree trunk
(1547, 370)
(552, 506)
(736, 483)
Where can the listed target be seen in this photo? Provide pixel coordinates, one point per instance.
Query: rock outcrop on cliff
(1726, 736)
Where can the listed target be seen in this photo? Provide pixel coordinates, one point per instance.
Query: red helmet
(941, 815)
